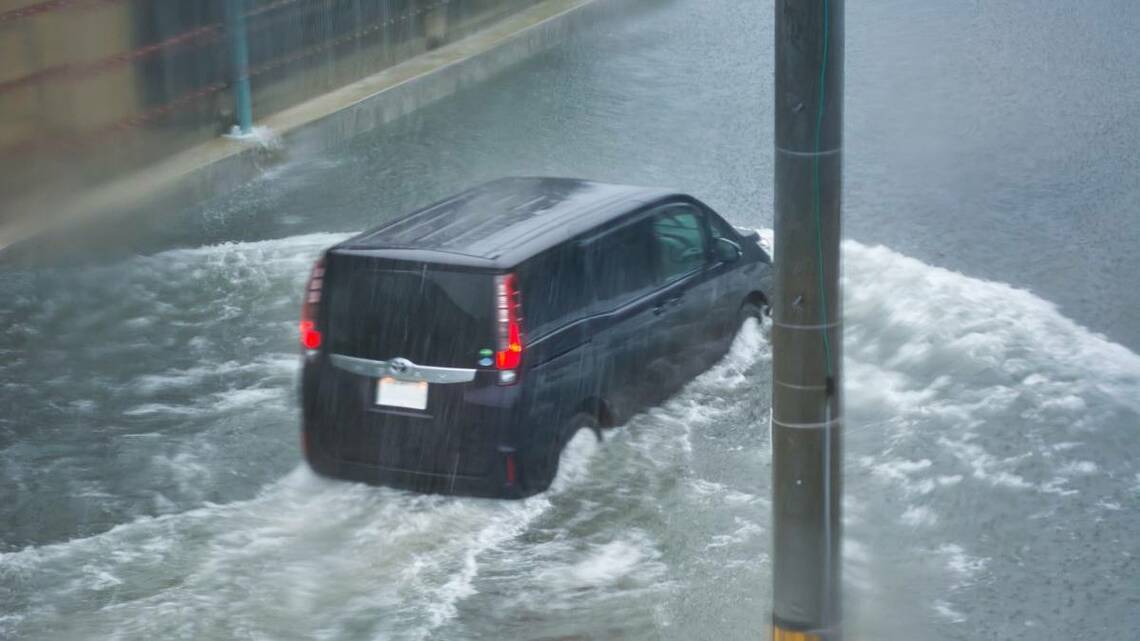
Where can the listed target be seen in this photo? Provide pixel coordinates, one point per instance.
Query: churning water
(991, 470)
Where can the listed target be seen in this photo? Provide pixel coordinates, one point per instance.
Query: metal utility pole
(239, 50)
(807, 357)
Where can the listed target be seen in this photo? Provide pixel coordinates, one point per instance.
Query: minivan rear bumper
(463, 445)
(492, 485)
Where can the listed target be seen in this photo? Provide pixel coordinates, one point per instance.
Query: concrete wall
(93, 89)
(39, 43)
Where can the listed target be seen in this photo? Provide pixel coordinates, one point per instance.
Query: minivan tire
(545, 463)
(749, 310)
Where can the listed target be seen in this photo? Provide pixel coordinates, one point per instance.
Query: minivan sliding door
(625, 326)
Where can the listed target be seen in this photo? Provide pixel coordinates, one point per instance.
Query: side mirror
(726, 251)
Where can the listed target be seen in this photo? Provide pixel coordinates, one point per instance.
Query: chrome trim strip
(410, 371)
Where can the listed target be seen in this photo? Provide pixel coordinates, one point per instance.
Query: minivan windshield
(416, 311)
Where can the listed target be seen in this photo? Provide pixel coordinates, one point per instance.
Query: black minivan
(457, 349)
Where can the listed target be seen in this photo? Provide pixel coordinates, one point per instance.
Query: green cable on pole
(816, 195)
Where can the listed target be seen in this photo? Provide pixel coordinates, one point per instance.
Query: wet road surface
(151, 479)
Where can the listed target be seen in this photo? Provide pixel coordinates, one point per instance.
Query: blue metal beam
(239, 50)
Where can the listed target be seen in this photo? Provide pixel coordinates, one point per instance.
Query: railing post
(239, 51)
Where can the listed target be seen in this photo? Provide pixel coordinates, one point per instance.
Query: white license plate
(395, 393)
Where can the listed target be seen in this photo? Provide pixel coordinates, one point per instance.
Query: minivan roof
(503, 222)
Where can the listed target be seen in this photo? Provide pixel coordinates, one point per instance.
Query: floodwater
(151, 477)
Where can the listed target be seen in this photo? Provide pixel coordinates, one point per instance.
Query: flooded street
(151, 484)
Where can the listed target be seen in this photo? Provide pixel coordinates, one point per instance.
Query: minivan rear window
(416, 311)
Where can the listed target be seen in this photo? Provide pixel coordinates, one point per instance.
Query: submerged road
(150, 478)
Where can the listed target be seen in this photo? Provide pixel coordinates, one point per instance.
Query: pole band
(809, 154)
(809, 426)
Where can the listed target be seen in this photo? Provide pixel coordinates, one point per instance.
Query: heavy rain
(153, 483)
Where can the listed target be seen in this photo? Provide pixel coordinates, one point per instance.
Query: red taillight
(310, 335)
(510, 343)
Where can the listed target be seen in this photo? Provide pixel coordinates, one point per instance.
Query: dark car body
(457, 349)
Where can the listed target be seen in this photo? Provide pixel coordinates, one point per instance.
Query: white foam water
(970, 405)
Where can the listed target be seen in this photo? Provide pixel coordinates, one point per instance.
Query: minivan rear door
(408, 346)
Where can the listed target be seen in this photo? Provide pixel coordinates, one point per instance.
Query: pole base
(236, 133)
(263, 137)
(784, 634)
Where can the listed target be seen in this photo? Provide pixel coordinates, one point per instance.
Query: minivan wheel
(583, 421)
(749, 310)
(545, 468)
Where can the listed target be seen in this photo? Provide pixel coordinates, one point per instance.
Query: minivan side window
(680, 239)
(622, 261)
(720, 229)
(555, 287)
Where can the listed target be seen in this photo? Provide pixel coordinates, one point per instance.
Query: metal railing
(184, 74)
